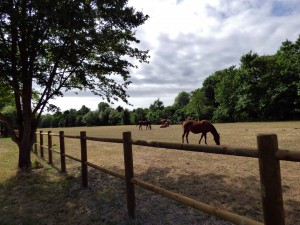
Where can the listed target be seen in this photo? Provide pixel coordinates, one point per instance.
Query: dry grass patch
(228, 182)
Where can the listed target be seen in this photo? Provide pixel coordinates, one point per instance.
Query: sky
(188, 40)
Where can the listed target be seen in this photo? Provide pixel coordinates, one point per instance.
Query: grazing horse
(144, 123)
(166, 122)
(197, 127)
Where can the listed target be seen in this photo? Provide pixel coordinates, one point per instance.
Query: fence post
(62, 151)
(50, 147)
(84, 169)
(270, 180)
(41, 144)
(128, 161)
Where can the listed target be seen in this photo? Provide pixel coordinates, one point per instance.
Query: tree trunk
(24, 155)
(25, 144)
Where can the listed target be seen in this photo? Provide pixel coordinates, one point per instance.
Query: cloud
(191, 39)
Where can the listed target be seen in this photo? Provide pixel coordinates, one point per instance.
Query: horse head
(217, 138)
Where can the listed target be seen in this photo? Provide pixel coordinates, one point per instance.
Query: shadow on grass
(48, 197)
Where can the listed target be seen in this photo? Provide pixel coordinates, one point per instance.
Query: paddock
(188, 172)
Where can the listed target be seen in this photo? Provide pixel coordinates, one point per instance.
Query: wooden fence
(269, 168)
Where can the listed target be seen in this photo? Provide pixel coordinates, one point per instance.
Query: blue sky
(190, 39)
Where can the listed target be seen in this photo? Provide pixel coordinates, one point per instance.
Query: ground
(228, 182)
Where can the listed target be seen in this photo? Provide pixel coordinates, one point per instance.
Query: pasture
(227, 182)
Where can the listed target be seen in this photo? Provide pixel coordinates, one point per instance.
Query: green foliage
(102, 106)
(225, 94)
(138, 114)
(115, 117)
(6, 96)
(46, 121)
(181, 100)
(262, 88)
(157, 105)
(91, 118)
(198, 107)
(56, 46)
(209, 86)
(126, 117)
(104, 116)
(84, 110)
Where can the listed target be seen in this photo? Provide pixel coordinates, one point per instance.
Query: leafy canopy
(54, 46)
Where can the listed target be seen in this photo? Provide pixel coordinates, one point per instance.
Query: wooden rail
(268, 154)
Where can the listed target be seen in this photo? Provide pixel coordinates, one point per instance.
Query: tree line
(262, 88)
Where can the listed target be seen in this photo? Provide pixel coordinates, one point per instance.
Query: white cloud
(190, 39)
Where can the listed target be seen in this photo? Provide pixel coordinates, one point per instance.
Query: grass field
(228, 182)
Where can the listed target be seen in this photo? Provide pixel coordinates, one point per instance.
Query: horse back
(196, 126)
(194, 122)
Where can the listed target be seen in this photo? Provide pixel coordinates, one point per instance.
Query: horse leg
(201, 138)
(205, 138)
(183, 137)
(185, 133)
(186, 136)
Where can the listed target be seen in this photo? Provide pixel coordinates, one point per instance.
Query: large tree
(198, 107)
(55, 46)
(181, 100)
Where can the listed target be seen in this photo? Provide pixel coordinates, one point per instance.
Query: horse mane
(213, 129)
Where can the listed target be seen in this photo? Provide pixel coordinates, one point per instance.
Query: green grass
(8, 159)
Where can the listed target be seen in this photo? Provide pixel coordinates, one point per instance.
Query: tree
(179, 116)
(45, 120)
(115, 117)
(138, 114)
(56, 118)
(198, 106)
(157, 105)
(226, 95)
(285, 99)
(125, 117)
(83, 110)
(119, 109)
(102, 106)
(91, 118)
(72, 117)
(181, 100)
(79, 121)
(55, 46)
(104, 116)
(6, 102)
(209, 87)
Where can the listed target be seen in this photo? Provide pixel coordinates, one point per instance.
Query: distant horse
(144, 123)
(165, 125)
(166, 122)
(197, 127)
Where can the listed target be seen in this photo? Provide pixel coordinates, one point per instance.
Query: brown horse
(165, 125)
(165, 122)
(197, 127)
(144, 123)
